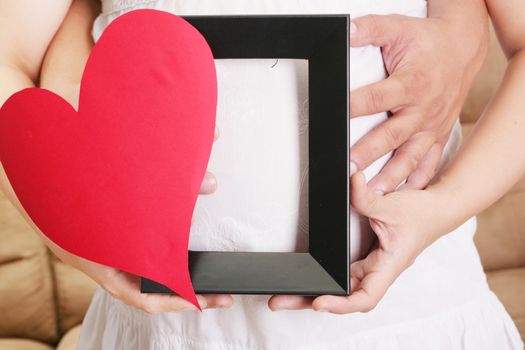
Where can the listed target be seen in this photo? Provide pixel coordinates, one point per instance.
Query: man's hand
(431, 64)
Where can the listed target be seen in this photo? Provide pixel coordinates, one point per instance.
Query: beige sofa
(43, 301)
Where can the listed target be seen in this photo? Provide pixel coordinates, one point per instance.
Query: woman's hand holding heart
(126, 287)
(60, 76)
(122, 285)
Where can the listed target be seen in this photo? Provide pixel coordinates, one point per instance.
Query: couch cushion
(509, 285)
(69, 341)
(486, 82)
(27, 305)
(22, 344)
(500, 237)
(74, 292)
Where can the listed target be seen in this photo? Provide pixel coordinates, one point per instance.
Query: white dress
(441, 302)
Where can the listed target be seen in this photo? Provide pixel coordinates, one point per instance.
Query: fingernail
(209, 184)
(377, 189)
(353, 168)
(203, 303)
(353, 28)
(379, 192)
(224, 302)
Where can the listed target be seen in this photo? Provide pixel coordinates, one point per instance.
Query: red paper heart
(117, 181)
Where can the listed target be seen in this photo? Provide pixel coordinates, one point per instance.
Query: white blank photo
(260, 160)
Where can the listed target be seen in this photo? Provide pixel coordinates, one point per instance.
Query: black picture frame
(323, 40)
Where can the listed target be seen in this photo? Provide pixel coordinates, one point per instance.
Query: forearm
(465, 20)
(67, 55)
(474, 10)
(491, 160)
(26, 30)
(60, 71)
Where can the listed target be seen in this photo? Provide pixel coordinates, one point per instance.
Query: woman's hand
(431, 64)
(60, 72)
(406, 222)
(126, 287)
(122, 285)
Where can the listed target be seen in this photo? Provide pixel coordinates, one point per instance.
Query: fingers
(406, 159)
(289, 302)
(374, 30)
(209, 184)
(126, 287)
(354, 282)
(156, 303)
(367, 290)
(370, 291)
(213, 301)
(425, 171)
(384, 138)
(358, 193)
(363, 200)
(382, 96)
(216, 134)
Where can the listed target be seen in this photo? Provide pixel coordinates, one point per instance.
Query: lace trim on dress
(110, 6)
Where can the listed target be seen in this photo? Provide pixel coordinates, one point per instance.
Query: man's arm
(432, 63)
(406, 222)
(488, 164)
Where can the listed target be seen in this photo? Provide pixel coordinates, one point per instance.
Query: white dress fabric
(441, 302)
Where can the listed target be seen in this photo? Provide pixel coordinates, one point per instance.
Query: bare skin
(408, 221)
(430, 73)
(61, 69)
(23, 57)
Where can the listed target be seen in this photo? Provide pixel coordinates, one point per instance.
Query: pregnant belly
(261, 157)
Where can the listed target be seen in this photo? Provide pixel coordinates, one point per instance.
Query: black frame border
(323, 40)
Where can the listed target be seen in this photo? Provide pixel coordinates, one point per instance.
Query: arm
(67, 55)
(488, 164)
(22, 47)
(22, 50)
(61, 72)
(430, 73)
(494, 150)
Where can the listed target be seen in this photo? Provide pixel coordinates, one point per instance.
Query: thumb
(374, 30)
(364, 201)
